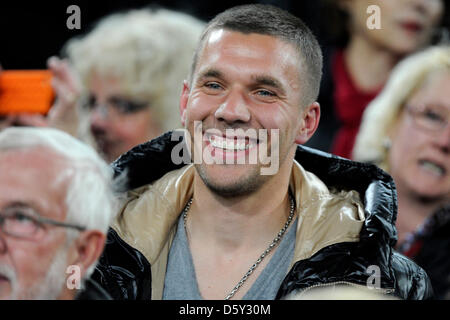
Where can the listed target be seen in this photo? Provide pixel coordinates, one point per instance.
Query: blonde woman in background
(406, 132)
(129, 72)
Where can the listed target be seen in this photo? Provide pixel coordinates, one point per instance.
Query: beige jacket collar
(148, 219)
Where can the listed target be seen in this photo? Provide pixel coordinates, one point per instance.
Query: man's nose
(234, 109)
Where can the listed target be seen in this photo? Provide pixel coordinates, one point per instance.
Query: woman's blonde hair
(383, 112)
(149, 51)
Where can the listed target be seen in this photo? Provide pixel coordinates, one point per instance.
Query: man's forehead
(221, 37)
(34, 176)
(35, 162)
(40, 152)
(244, 50)
(215, 36)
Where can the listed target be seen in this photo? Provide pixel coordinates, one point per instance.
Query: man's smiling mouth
(231, 144)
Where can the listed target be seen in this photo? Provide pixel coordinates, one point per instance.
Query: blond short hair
(149, 51)
(382, 113)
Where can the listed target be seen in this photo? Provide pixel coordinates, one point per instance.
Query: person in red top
(349, 104)
(356, 72)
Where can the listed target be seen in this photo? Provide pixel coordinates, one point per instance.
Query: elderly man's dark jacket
(125, 273)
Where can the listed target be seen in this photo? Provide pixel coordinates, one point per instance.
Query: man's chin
(231, 180)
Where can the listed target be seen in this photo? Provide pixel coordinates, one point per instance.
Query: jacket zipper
(384, 291)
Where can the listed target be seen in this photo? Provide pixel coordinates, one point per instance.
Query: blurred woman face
(419, 158)
(118, 122)
(406, 25)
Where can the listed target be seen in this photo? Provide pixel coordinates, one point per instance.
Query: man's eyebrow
(269, 81)
(23, 205)
(210, 73)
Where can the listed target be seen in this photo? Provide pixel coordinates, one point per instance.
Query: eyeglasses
(431, 118)
(19, 223)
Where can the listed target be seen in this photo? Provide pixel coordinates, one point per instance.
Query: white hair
(90, 200)
(382, 113)
(149, 51)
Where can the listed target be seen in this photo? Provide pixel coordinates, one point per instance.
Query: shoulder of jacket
(412, 281)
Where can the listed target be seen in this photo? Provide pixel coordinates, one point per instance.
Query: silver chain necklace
(263, 255)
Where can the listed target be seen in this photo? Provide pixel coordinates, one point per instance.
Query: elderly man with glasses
(56, 202)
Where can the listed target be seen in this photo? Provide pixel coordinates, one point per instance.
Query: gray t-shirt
(181, 283)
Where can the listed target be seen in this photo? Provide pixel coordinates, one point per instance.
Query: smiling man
(223, 230)
(251, 87)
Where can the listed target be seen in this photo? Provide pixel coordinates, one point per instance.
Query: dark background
(32, 31)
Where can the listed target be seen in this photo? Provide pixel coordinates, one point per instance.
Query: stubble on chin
(249, 183)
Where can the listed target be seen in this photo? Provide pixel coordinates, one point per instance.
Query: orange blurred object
(25, 91)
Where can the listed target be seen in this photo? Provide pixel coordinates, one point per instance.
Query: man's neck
(227, 235)
(240, 222)
(369, 65)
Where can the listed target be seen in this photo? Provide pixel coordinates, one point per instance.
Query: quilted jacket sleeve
(123, 271)
(412, 281)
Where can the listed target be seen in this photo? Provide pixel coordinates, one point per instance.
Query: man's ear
(89, 246)
(183, 101)
(309, 123)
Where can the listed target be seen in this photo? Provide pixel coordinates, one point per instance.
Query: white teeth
(228, 144)
(433, 168)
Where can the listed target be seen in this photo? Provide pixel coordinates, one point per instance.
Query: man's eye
(265, 93)
(21, 217)
(18, 223)
(212, 85)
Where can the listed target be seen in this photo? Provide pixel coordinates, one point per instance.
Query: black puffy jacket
(125, 273)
